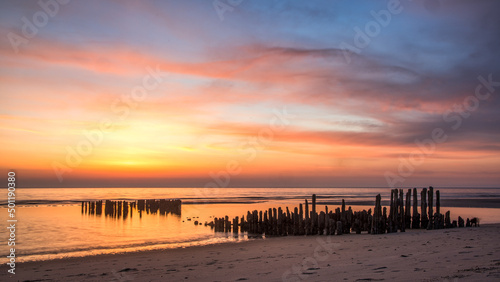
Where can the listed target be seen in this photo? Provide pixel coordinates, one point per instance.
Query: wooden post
(394, 212)
(438, 203)
(408, 210)
(377, 217)
(235, 225)
(343, 216)
(327, 221)
(296, 222)
(275, 222)
(402, 219)
(416, 215)
(290, 223)
(266, 223)
(301, 221)
(260, 228)
(125, 209)
(384, 220)
(439, 222)
(431, 210)
(307, 227)
(280, 222)
(339, 227)
(423, 209)
(348, 223)
(321, 223)
(314, 220)
(447, 221)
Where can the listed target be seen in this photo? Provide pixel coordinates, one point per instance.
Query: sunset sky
(250, 93)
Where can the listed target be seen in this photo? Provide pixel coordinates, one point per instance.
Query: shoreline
(469, 254)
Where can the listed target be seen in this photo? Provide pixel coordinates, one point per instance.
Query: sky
(250, 93)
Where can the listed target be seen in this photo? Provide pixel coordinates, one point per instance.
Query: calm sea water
(50, 223)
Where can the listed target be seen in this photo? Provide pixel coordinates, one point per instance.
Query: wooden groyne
(124, 208)
(403, 214)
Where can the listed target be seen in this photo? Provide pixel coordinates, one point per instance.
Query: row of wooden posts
(124, 208)
(403, 216)
(302, 221)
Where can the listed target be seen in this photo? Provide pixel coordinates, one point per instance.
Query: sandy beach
(461, 254)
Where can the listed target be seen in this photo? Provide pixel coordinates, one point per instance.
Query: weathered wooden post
(384, 220)
(439, 223)
(289, 222)
(393, 212)
(343, 216)
(314, 219)
(266, 223)
(227, 224)
(447, 221)
(402, 223)
(349, 215)
(260, 228)
(235, 225)
(301, 221)
(296, 221)
(438, 202)
(327, 221)
(423, 208)
(125, 209)
(377, 217)
(280, 221)
(307, 223)
(321, 223)
(100, 207)
(460, 222)
(339, 227)
(416, 215)
(275, 221)
(431, 210)
(408, 209)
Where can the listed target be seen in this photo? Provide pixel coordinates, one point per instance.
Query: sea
(50, 223)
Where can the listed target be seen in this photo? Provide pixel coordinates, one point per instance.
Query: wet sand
(461, 254)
